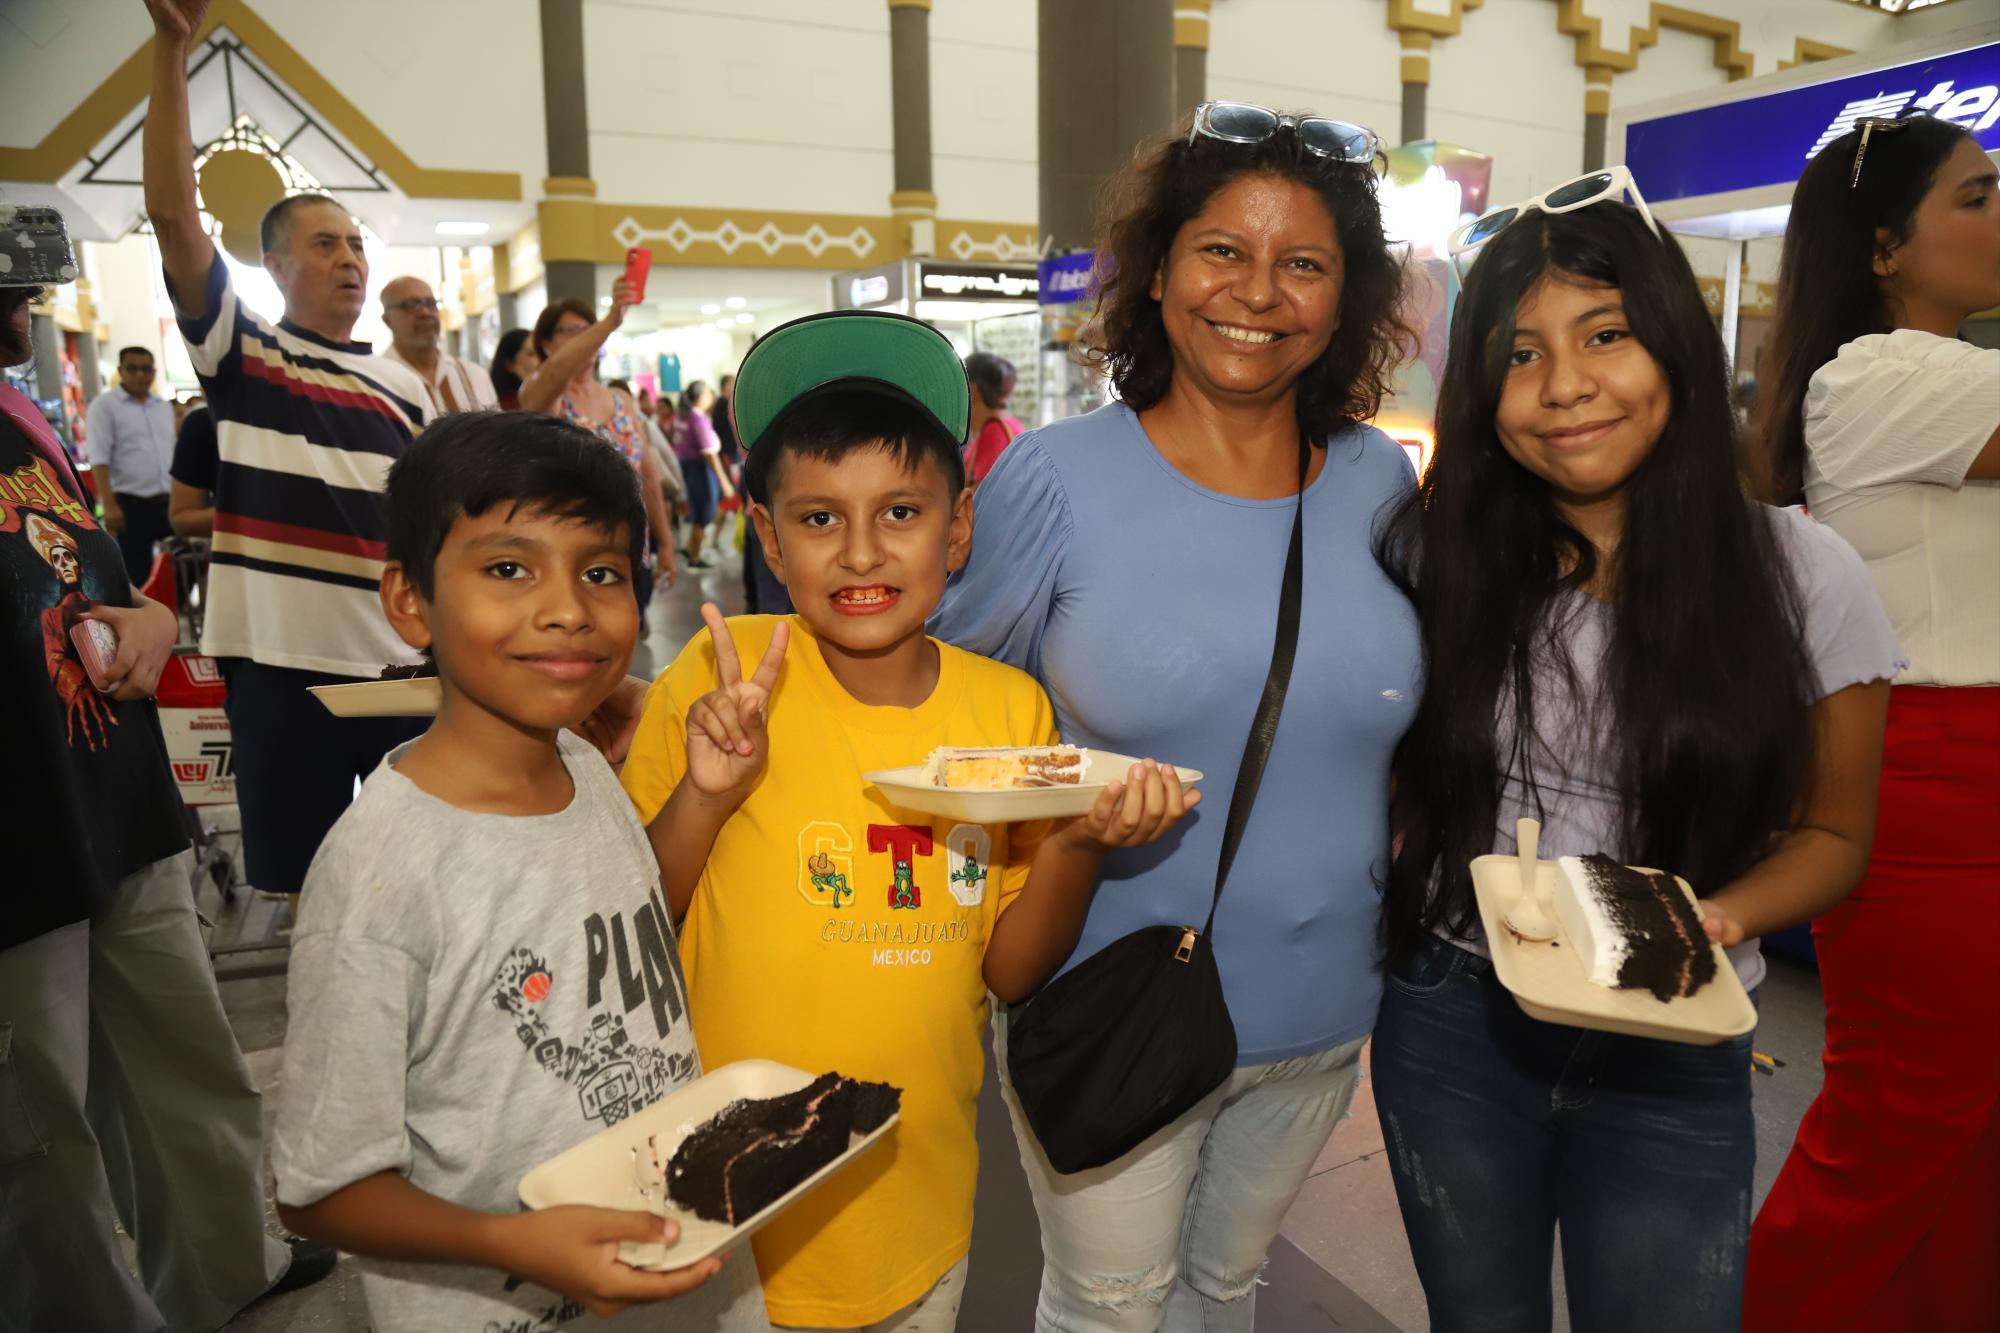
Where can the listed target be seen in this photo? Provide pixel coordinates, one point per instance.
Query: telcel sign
(1767, 141)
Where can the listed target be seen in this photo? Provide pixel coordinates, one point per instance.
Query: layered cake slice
(999, 768)
(1636, 929)
(752, 1151)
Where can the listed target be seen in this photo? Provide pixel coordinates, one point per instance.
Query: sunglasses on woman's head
(1597, 186)
(1868, 128)
(1242, 122)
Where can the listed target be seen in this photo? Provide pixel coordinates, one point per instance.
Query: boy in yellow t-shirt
(824, 926)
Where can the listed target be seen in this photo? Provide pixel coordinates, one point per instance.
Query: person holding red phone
(565, 385)
(104, 981)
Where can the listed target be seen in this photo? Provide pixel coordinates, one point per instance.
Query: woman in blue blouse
(1130, 559)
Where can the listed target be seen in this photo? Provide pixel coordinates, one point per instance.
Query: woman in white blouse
(1887, 1214)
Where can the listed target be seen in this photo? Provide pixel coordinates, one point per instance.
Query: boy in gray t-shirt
(483, 973)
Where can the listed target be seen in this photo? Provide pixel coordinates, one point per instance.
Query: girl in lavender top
(1620, 644)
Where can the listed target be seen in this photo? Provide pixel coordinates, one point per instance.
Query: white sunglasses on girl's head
(1245, 122)
(1610, 183)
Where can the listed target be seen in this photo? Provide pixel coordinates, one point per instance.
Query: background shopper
(131, 436)
(515, 358)
(992, 379)
(565, 385)
(700, 451)
(126, 1099)
(1887, 1213)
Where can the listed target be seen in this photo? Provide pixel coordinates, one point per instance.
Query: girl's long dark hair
(1828, 294)
(1704, 694)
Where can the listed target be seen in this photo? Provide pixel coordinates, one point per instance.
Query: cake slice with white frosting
(1636, 929)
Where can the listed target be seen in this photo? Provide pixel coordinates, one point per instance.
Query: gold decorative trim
(524, 266)
(1404, 16)
(910, 4)
(1416, 56)
(1588, 33)
(1191, 24)
(570, 231)
(913, 202)
(582, 187)
(1597, 90)
(750, 238)
(1000, 242)
(1806, 51)
(594, 232)
(99, 111)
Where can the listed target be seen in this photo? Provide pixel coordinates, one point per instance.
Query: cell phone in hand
(97, 646)
(638, 263)
(34, 247)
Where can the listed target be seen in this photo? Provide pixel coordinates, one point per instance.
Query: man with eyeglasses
(130, 431)
(410, 310)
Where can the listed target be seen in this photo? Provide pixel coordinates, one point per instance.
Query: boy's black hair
(471, 461)
(830, 423)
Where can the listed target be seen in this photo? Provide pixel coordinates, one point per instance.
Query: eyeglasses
(414, 304)
(1610, 183)
(1868, 127)
(1241, 122)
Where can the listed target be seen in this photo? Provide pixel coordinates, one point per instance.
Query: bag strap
(1264, 728)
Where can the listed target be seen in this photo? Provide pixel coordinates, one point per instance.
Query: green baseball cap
(872, 350)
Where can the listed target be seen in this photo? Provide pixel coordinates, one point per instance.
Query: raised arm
(540, 391)
(185, 250)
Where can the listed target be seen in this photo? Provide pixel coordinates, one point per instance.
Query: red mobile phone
(97, 647)
(638, 263)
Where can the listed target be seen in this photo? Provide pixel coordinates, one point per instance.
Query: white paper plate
(910, 790)
(1549, 981)
(598, 1171)
(382, 698)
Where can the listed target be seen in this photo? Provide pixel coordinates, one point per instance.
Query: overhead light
(736, 303)
(711, 309)
(464, 228)
(745, 318)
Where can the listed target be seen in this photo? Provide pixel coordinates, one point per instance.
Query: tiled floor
(1341, 1262)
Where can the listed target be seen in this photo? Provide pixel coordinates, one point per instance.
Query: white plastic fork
(1526, 918)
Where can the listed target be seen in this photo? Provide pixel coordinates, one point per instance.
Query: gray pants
(121, 1084)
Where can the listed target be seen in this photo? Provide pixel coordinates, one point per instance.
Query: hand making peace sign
(727, 741)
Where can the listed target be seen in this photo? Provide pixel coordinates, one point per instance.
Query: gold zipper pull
(1185, 953)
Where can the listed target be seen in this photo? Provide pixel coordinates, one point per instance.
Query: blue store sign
(1066, 278)
(1764, 141)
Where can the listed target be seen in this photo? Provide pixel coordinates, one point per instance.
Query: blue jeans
(1500, 1127)
(1172, 1235)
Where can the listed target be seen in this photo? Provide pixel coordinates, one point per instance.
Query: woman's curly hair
(1167, 183)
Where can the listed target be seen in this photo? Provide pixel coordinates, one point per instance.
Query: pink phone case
(97, 644)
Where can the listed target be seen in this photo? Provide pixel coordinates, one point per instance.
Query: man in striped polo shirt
(307, 424)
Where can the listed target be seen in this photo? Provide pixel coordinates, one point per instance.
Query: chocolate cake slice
(1636, 929)
(418, 671)
(755, 1149)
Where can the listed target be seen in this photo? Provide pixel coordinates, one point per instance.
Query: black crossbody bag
(1122, 1044)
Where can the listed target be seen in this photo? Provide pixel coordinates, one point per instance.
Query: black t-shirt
(94, 798)
(194, 451)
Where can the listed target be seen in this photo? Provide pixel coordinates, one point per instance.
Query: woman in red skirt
(1887, 1214)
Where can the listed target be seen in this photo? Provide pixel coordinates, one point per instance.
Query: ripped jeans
(1499, 1127)
(1172, 1235)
